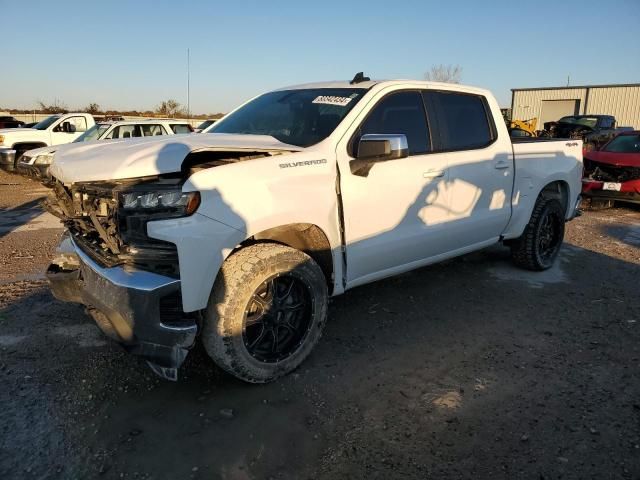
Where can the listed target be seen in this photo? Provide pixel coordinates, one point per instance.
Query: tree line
(168, 108)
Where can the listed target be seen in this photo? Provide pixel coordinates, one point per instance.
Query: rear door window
(125, 131)
(460, 121)
(151, 130)
(398, 113)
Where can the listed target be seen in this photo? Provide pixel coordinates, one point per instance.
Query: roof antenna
(359, 78)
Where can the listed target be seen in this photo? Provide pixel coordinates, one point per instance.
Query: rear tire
(266, 312)
(538, 246)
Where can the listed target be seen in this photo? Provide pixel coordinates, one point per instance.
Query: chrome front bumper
(7, 159)
(129, 305)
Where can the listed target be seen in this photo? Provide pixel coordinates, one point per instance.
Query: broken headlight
(173, 203)
(45, 159)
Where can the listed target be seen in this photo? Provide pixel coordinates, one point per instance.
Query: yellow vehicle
(523, 128)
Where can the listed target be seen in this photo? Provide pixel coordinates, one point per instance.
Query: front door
(395, 215)
(63, 134)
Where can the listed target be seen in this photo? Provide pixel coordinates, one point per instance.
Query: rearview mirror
(374, 148)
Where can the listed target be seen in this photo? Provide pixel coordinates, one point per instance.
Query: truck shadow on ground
(16, 217)
(424, 371)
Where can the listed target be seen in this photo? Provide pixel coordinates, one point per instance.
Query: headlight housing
(1, 139)
(45, 159)
(160, 203)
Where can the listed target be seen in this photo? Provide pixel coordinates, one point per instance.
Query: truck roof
(384, 83)
(142, 120)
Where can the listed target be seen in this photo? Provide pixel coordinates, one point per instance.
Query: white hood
(12, 135)
(141, 157)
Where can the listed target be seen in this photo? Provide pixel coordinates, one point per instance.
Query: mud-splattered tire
(240, 295)
(541, 240)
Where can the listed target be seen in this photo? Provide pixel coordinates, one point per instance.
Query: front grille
(605, 172)
(94, 220)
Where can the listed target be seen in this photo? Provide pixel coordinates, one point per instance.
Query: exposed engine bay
(108, 219)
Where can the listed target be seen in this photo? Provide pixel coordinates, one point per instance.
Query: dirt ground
(467, 369)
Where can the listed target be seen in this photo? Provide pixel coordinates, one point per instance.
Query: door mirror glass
(381, 147)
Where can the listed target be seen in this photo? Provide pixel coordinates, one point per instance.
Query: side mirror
(373, 148)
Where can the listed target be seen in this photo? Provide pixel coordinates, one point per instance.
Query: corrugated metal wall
(528, 103)
(622, 102)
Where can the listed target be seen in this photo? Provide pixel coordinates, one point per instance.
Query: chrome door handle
(433, 174)
(501, 165)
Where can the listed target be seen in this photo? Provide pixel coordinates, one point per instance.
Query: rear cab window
(460, 121)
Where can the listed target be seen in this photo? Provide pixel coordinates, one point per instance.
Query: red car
(613, 172)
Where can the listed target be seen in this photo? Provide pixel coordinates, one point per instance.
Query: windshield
(623, 144)
(297, 117)
(590, 122)
(46, 123)
(94, 133)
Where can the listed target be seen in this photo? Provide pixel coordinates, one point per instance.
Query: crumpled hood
(132, 158)
(614, 158)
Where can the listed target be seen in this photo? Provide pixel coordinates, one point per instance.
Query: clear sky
(132, 54)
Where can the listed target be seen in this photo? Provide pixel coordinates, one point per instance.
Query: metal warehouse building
(551, 103)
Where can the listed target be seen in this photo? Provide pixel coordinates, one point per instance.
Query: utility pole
(568, 79)
(188, 85)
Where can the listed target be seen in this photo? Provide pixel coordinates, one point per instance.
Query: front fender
(203, 244)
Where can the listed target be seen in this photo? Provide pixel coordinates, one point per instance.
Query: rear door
(480, 166)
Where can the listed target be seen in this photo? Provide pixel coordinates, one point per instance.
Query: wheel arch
(559, 190)
(522, 210)
(29, 145)
(306, 237)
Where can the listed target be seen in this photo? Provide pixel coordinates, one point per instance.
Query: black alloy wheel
(277, 318)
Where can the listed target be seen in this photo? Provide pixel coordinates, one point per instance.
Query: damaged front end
(128, 281)
(610, 181)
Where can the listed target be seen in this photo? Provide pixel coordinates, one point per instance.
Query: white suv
(36, 162)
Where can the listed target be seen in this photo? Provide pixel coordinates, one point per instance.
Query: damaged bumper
(7, 159)
(628, 191)
(139, 309)
(40, 172)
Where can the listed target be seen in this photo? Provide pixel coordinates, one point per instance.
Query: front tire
(266, 312)
(538, 246)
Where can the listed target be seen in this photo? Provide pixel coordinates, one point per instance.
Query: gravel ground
(467, 369)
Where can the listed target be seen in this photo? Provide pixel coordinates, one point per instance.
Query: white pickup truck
(53, 130)
(237, 238)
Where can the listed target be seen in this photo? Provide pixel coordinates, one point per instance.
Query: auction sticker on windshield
(332, 100)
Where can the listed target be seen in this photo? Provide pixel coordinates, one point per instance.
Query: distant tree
(168, 108)
(56, 107)
(93, 108)
(444, 73)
